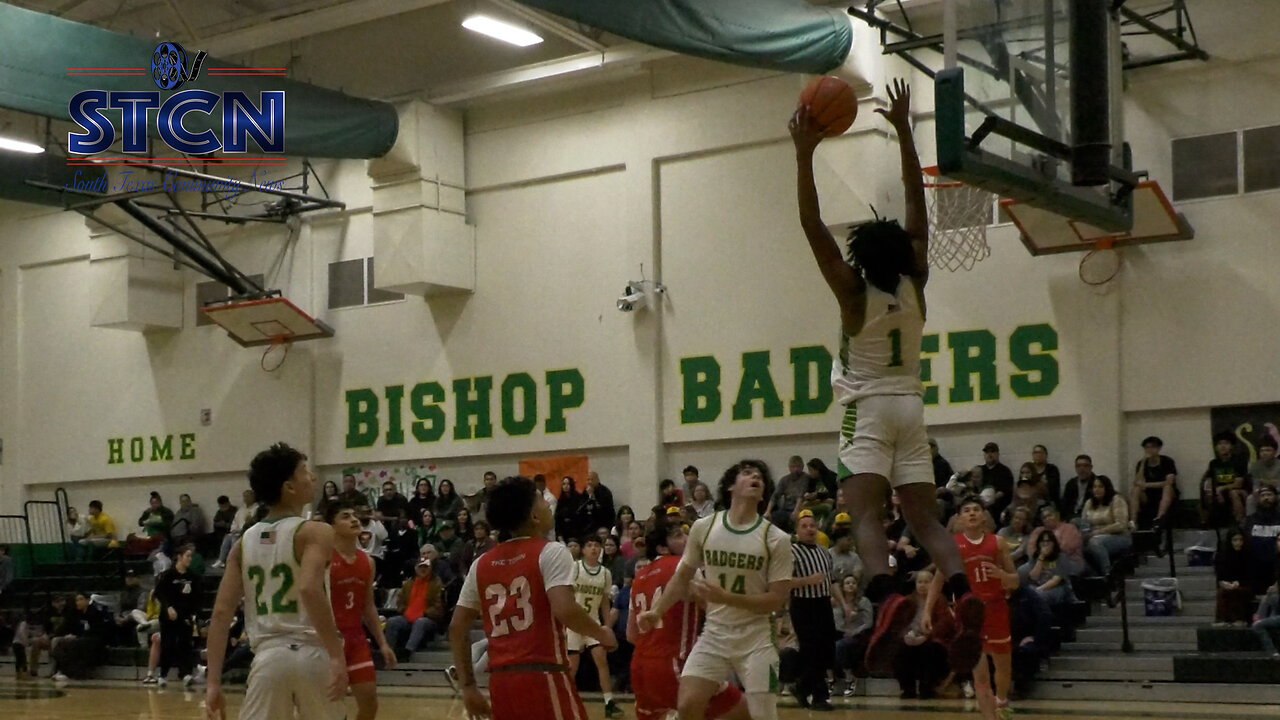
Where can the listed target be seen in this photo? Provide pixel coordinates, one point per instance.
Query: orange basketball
(831, 104)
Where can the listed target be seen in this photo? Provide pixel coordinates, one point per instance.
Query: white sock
(608, 697)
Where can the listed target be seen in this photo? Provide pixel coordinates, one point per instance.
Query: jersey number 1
(895, 348)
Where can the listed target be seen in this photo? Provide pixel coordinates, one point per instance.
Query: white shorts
(757, 669)
(286, 677)
(577, 643)
(885, 435)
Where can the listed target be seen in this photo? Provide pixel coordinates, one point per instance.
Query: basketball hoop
(275, 354)
(958, 219)
(1101, 264)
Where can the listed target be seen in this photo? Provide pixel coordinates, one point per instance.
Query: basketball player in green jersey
(883, 444)
(280, 569)
(747, 563)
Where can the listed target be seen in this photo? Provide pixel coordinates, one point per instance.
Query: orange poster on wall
(554, 468)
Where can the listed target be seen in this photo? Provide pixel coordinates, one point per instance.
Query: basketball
(831, 104)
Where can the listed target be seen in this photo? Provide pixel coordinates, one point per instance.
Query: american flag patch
(268, 537)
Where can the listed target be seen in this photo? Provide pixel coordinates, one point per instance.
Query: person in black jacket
(178, 592)
(568, 525)
(1030, 622)
(597, 505)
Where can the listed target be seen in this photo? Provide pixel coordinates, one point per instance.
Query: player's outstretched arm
(841, 278)
(315, 541)
(917, 220)
(230, 592)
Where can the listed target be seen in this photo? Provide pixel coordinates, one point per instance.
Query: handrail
(26, 526)
(60, 528)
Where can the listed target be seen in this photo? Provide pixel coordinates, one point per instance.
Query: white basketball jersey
(884, 357)
(271, 571)
(591, 587)
(743, 561)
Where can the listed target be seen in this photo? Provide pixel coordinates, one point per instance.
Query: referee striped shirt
(810, 560)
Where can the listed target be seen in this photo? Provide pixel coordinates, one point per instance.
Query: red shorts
(996, 638)
(534, 696)
(656, 684)
(359, 662)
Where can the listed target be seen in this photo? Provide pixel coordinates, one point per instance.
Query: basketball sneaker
(611, 710)
(1003, 711)
(451, 676)
(896, 615)
(966, 648)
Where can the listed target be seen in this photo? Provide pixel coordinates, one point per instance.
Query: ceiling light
(505, 32)
(19, 146)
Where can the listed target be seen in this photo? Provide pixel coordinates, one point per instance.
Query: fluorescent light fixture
(19, 146)
(505, 32)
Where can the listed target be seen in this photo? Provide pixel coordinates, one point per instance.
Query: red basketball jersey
(674, 636)
(516, 611)
(348, 590)
(984, 585)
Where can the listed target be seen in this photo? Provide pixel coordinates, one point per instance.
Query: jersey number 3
(520, 620)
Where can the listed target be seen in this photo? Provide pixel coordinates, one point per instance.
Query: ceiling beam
(314, 22)
(546, 23)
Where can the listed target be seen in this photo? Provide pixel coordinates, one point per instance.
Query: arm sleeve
(781, 562)
(470, 595)
(557, 566)
(692, 556)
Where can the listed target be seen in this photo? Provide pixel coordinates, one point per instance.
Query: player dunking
(524, 590)
(992, 573)
(351, 592)
(747, 562)
(591, 585)
(661, 652)
(282, 562)
(883, 445)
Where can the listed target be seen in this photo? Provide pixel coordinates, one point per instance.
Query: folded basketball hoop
(265, 321)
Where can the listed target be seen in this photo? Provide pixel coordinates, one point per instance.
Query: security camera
(632, 298)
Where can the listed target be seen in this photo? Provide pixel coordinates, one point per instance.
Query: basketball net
(958, 219)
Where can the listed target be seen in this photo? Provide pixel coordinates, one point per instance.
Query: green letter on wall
(528, 401)
(757, 384)
(1042, 362)
(701, 381)
(362, 418)
(161, 450)
(928, 346)
(807, 401)
(395, 424)
(429, 416)
(466, 407)
(187, 446)
(115, 451)
(973, 352)
(566, 390)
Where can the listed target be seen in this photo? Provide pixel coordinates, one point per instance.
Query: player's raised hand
(899, 112)
(215, 705)
(804, 132)
(474, 702)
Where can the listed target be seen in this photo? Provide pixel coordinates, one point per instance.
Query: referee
(811, 614)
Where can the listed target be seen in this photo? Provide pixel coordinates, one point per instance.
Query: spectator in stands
(246, 516)
(1235, 591)
(1267, 622)
(575, 549)
(156, 520)
(629, 564)
(188, 521)
(1070, 542)
(132, 616)
(942, 471)
(391, 505)
(428, 528)
(788, 648)
(462, 523)
(1029, 493)
(568, 520)
(373, 535)
(54, 620)
(328, 494)
(92, 628)
(997, 476)
(100, 533)
(844, 557)
(178, 592)
(597, 503)
(1224, 485)
(700, 501)
(921, 664)
(612, 559)
(1047, 473)
(1261, 529)
(1016, 533)
(480, 500)
(1155, 486)
(76, 528)
(402, 550)
(350, 493)
(6, 568)
(786, 496)
(224, 518)
(1076, 491)
(422, 611)
(625, 517)
(1106, 518)
(441, 569)
(628, 546)
(449, 544)
(1049, 572)
(820, 491)
(691, 482)
(855, 619)
(29, 634)
(1030, 621)
(669, 496)
(479, 544)
(424, 498)
(1265, 471)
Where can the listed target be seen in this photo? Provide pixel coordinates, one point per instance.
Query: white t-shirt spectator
(377, 545)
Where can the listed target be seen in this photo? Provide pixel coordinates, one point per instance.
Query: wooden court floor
(119, 701)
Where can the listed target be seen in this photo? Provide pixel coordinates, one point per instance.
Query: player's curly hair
(730, 476)
(511, 504)
(881, 251)
(271, 469)
(662, 530)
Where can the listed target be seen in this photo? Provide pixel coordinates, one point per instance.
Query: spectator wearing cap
(1155, 485)
(997, 476)
(1048, 472)
(1261, 530)
(1225, 483)
(132, 617)
(1076, 490)
(1265, 471)
(786, 496)
(821, 538)
(421, 606)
